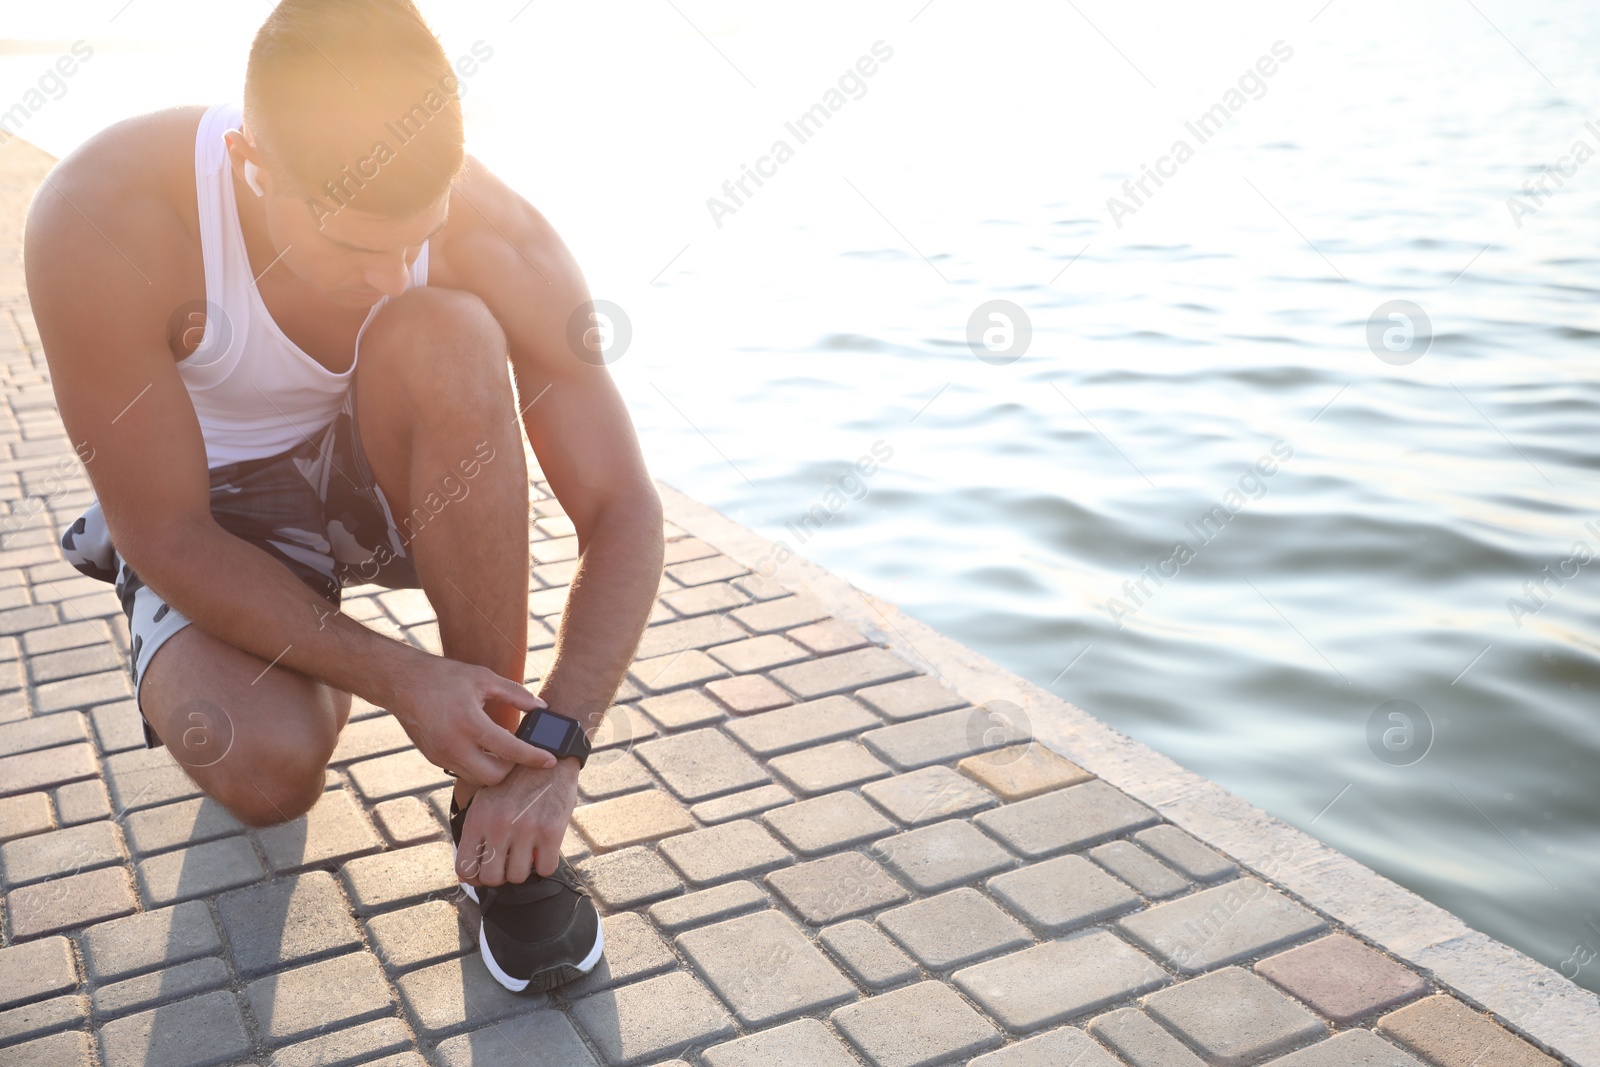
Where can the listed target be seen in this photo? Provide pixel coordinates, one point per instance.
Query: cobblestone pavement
(805, 851)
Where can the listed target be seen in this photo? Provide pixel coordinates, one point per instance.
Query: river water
(1207, 502)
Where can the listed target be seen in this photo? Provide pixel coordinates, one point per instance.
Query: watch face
(548, 731)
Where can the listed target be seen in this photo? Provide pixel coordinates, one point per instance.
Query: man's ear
(246, 159)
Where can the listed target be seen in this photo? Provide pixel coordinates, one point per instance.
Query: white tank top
(255, 392)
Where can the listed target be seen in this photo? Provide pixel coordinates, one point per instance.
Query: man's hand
(440, 703)
(515, 828)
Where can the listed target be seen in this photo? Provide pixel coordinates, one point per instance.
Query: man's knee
(274, 786)
(443, 337)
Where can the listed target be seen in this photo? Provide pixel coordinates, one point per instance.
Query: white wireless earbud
(251, 172)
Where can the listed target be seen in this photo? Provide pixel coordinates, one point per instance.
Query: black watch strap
(555, 733)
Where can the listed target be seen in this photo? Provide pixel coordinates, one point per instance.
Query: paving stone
(1442, 1030)
(682, 710)
(1353, 1048)
(943, 855)
(771, 616)
(117, 726)
(827, 823)
(292, 1004)
(1022, 771)
(203, 1031)
(708, 905)
(198, 872)
(35, 970)
(145, 778)
(628, 878)
(804, 1041)
(612, 774)
(739, 805)
(390, 879)
(397, 774)
(71, 902)
(827, 637)
(1223, 924)
(1058, 981)
(70, 1049)
(1066, 1046)
(1184, 853)
(1142, 1041)
(755, 654)
(937, 738)
(188, 822)
(43, 770)
(60, 852)
(704, 599)
(764, 968)
(874, 960)
(702, 632)
(82, 802)
(746, 694)
(665, 673)
(544, 1038)
(773, 733)
(729, 850)
(1138, 868)
(159, 987)
(1231, 1017)
(917, 1026)
(1067, 820)
(334, 830)
(290, 921)
(42, 731)
(631, 819)
(953, 929)
(632, 950)
(700, 764)
(843, 673)
(72, 663)
(28, 813)
(1342, 979)
(68, 635)
(83, 692)
(409, 607)
(460, 994)
(406, 821)
(426, 933)
(345, 1048)
(1063, 894)
(149, 940)
(701, 571)
(646, 1021)
(928, 795)
(910, 698)
(40, 1018)
(836, 887)
(367, 738)
(824, 768)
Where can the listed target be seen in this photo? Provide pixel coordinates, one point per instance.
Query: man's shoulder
(495, 237)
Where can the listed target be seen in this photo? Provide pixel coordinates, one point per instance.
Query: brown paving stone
(27, 813)
(631, 820)
(764, 968)
(942, 855)
(43, 770)
(843, 673)
(754, 654)
(741, 805)
(335, 829)
(1444, 1031)
(1023, 771)
(708, 905)
(633, 950)
(701, 632)
(772, 615)
(1066, 820)
(918, 1026)
(81, 802)
(827, 823)
(940, 738)
(1059, 981)
(701, 571)
(773, 733)
(1067, 1045)
(1142, 1041)
(42, 731)
(68, 903)
(874, 960)
(1342, 979)
(747, 694)
(835, 887)
(728, 850)
(612, 773)
(199, 1032)
(704, 599)
(825, 768)
(684, 709)
(1063, 894)
(700, 764)
(827, 637)
(1233, 1017)
(35, 970)
(928, 795)
(665, 673)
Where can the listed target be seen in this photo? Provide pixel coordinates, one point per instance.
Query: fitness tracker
(555, 733)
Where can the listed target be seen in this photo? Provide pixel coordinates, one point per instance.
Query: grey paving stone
(928, 795)
(28, 813)
(1138, 868)
(69, 1049)
(152, 939)
(937, 738)
(628, 878)
(395, 775)
(198, 872)
(82, 802)
(631, 819)
(836, 887)
(1353, 1048)
(804, 1041)
(632, 950)
(728, 850)
(292, 1004)
(71, 663)
(1064, 1046)
(35, 970)
(460, 994)
(708, 905)
(702, 632)
(603, 778)
(699, 764)
(680, 669)
(71, 902)
(1066, 820)
(764, 968)
(773, 733)
(346, 1048)
(425, 933)
(910, 698)
(756, 654)
(827, 823)
(159, 987)
(771, 616)
(650, 1020)
(918, 1026)
(42, 731)
(943, 855)
(41, 1017)
(825, 768)
(406, 821)
(377, 736)
(188, 822)
(404, 876)
(1063, 894)
(741, 805)
(874, 960)
(335, 829)
(544, 1038)
(145, 778)
(68, 635)
(1223, 924)
(1232, 1017)
(43, 770)
(953, 929)
(289, 921)
(843, 673)
(83, 692)
(746, 694)
(1058, 981)
(1142, 1041)
(117, 726)
(682, 710)
(1187, 855)
(203, 1031)
(60, 852)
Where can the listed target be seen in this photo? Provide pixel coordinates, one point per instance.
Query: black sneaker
(536, 935)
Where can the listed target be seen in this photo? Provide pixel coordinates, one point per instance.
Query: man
(280, 336)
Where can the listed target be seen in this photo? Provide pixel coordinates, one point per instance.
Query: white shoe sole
(517, 985)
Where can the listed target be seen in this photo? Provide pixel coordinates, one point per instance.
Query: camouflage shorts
(316, 509)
